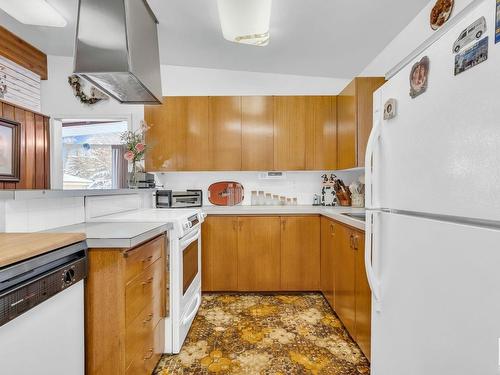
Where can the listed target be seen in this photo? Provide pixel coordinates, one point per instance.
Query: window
(92, 154)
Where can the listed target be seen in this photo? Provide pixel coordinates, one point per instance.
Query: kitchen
(249, 187)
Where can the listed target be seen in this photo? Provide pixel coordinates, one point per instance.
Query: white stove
(184, 265)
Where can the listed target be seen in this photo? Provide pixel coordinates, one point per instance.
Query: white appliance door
(441, 153)
(48, 339)
(439, 306)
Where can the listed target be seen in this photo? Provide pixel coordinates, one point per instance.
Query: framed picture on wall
(10, 149)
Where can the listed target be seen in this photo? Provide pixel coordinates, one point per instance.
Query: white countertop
(115, 235)
(334, 213)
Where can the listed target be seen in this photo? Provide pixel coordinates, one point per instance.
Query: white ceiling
(328, 38)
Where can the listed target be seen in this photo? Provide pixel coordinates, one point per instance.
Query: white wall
(300, 185)
(417, 31)
(191, 81)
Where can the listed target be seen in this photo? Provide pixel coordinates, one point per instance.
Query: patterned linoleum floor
(266, 335)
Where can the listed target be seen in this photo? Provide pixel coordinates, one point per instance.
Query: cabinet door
(300, 253)
(219, 255)
(259, 254)
(257, 133)
(345, 280)
(225, 132)
(346, 127)
(290, 132)
(327, 260)
(166, 138)
(321, 153)
(197, 135)
(363, 297)
(365, 87)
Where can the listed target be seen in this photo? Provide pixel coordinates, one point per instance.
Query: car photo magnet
(497, 23)
(472, 56)
(390, 109)
(419, 76)
(471, 34)
(441, 13)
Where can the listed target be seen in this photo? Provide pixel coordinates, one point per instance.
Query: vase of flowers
(135, 150)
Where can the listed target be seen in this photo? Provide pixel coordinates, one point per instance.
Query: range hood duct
(117, 50)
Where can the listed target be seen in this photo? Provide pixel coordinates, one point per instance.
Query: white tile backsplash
(41, 214)
(302, 185)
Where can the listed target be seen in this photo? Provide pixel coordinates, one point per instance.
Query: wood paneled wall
(35, 148)
(17, 50)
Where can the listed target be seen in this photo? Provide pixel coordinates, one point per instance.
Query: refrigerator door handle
(370, 149)
(369, 250)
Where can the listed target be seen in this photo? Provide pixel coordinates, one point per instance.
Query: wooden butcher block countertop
(15, 247)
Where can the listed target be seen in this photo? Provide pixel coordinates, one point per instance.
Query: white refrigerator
(433, 215)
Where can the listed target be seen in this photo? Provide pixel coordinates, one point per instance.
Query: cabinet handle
(148, 319)
(235, 225)
(283, 224)
(147, 259)
(149, 354)
(351, 241)
(356, 238)
(148, 281)
(332, 228)
(240, 223)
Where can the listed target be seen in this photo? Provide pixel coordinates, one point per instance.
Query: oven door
(190, 288)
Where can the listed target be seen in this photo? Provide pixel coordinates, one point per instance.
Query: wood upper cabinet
(225, 132)
(327, 260)
(196, 131)
(354, 120)
(219, 254)
(363, 297)
(321, 147)
(290, 132)
(257, 133)
(345, 278)
(259, 253)
(300, 253)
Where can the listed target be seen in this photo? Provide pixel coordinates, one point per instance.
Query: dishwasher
(42, 314)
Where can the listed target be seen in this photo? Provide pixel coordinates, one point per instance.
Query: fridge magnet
(497, 23)
(441, 13)
(418, 77)
(472, 33)
(390, 109)
(10, 146)
(472, 56)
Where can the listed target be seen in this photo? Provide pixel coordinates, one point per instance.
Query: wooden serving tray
(225, 193)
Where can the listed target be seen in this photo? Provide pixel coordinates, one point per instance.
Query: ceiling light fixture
(33, 12)
(245, 21)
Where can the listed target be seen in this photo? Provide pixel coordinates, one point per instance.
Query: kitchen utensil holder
(344, 199)
(358, 200)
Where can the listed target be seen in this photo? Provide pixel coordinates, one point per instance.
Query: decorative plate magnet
(418, 77)
(441, 13)
(472, 56)
(390, 109)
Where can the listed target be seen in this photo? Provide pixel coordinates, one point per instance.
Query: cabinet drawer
(141, 328)
(147, 356)
(142, 257)
(143, 289)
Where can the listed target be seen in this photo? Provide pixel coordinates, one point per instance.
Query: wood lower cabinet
(300, 253)
(345, 278)
(363, 297)
(124, 309)
(219, 254)
(259, 253)
(327, 259)
(343, 272)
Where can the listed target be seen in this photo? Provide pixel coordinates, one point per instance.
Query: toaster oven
(179, 199)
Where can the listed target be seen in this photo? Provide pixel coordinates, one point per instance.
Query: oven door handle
(188, 239)
(193, 312)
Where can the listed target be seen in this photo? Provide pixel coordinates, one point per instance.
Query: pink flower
(129, 155)
(140, 147)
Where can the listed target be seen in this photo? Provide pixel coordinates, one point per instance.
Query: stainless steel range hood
(117, 49)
